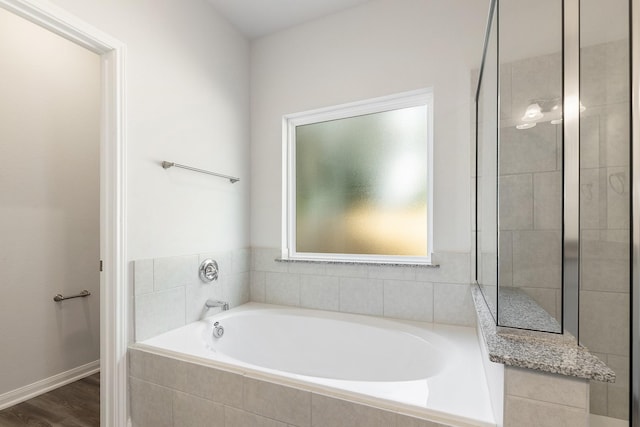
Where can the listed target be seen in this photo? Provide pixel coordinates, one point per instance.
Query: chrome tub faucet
(214, 303)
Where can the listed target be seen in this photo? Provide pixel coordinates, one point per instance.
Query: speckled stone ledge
(374, 263)
(518, 310)
(533, 352)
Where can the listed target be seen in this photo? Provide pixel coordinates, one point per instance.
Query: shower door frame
(114, 304)
(634, 410)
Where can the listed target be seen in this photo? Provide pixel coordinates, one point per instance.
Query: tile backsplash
(425, 294)
(169, 293)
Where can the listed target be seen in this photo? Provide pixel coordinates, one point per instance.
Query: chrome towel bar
(231, 179)
(82, 294)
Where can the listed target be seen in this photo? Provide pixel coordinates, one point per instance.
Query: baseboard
(40, 387)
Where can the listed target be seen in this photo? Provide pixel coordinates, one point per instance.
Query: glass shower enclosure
(553, 178)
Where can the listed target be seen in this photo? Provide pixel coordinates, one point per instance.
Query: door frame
(114, 303)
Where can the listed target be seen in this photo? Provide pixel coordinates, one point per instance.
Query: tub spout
(211, 304)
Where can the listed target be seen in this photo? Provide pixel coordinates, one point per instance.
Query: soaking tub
(430, 370)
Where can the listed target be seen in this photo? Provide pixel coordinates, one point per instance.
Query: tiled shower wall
(604, 218)
(531, 184)
(427, 294)
(168, 292)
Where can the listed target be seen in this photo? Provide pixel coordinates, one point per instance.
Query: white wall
(379, 48)
(187, 102)
(49, 208)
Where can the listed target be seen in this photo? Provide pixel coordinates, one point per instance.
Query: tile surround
(168, 292)
(407, 292)
(156, 399)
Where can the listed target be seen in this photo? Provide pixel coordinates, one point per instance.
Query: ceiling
(257, 18)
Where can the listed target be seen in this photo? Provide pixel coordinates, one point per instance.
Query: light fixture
(525, 126)
(556, 121)
(533, 113)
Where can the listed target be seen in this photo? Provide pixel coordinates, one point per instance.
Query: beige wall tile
(392, 272)
(210, 383)
(159, 312)
(537, 259)
(454, 268)
(601, 313)
(330, 412)
(191, 411)
(406, 421)
(237, 418)
(521, 412)
(516, 202)
(282, 288)
(347, 270)
(278, 402)
(547, 201)
(307, 268)
(262, 259)
(320, 292)
(605, 260)
(257, 286)
(151, 405)
(530, 150)
(362, 296)
(618, 392)
(452, 304)
(592, 212)
(143, 276)
(408, 300)
(615, 124)
(557, 389)
(154, 368)
(237, 289)
(173, 272)
(618, 197)
(506, 258)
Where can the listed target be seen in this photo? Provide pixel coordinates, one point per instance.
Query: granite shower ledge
(533, 352)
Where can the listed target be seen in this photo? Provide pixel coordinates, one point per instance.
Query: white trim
(30, 391)
(375, 105)
(114, 315)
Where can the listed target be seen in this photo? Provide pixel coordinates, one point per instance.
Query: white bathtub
(434, 371)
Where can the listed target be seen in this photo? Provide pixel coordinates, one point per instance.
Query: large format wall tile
(174, 272)
(330, 412)
(529, 150)
(605, 260)
(547, 201)
(191, 411)
(159, 312)
(537, 259)
(282, 288)
(320, 292)
(531, 413)
(361, 296)
(169, 292)
(279, 402)
(150, 404)
(453, 304)
(237, 418)
(408, 300)
(600, 314)
(516, 202)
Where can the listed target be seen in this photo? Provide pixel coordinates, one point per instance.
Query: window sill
(345, 262)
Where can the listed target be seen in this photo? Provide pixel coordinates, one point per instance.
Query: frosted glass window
(360, 185)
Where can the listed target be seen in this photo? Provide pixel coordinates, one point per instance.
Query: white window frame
(421, 97)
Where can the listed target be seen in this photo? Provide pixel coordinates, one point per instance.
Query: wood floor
(74, 405)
